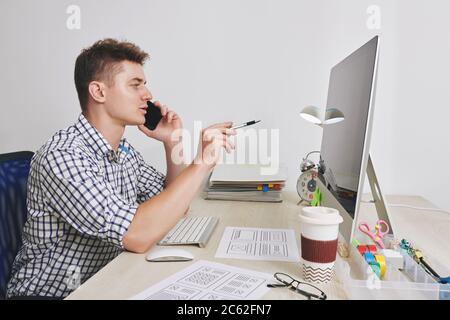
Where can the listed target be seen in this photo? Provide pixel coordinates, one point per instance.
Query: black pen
(245, 124)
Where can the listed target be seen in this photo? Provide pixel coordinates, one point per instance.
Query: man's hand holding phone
(161, 123)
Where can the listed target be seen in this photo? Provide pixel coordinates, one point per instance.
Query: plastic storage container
(412, 282)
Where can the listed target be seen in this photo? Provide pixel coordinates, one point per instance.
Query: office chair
(14, 168)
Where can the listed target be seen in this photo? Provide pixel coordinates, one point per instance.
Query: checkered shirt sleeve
(77, 192)
(150, 181)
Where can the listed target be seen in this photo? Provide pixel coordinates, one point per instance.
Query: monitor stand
(378, 199)
(348, 226)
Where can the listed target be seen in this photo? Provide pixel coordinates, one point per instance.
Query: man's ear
(97, 91)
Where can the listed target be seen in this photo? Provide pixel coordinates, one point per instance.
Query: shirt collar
(97, 142)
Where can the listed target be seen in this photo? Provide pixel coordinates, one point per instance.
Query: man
(90, 193)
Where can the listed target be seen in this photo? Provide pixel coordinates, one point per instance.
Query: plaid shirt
(82, 197)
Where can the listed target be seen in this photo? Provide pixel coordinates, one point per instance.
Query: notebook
(245, 182)
(246, 174)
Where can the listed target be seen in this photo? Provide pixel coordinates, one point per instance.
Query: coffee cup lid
(332, 219)
(319, 211)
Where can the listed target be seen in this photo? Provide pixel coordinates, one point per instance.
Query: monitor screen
(343, 144)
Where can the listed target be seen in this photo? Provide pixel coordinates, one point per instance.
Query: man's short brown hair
(100, 62)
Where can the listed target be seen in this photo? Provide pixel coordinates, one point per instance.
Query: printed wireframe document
(205, 280)
(258, 244)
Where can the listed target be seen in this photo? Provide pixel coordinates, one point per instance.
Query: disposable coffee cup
(319, 238)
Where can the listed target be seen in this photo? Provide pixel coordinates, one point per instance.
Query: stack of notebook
(245, 182)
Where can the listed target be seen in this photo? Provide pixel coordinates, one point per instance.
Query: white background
(214, 61)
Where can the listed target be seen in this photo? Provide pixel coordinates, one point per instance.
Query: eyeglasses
(306, 289)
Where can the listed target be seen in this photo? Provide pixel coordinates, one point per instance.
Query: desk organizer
(412, 282)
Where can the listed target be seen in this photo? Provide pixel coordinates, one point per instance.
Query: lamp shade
(333, 115)
(311, 114)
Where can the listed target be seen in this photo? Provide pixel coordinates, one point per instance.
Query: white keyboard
(191, 230)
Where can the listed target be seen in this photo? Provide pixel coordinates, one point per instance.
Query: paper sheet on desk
(258, 244)
(206, 280)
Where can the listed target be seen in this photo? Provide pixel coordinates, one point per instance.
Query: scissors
(378, 235)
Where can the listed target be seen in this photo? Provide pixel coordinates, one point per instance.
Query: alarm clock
(307, 181)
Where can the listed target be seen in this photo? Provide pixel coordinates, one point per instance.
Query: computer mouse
(168, 254)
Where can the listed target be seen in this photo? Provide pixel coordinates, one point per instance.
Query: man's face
(126, 100)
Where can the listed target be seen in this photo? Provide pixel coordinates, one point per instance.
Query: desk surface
(130, 273)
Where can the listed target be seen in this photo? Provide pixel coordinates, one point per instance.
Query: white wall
(239, 60)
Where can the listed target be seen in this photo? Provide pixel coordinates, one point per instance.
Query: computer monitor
(344, 153)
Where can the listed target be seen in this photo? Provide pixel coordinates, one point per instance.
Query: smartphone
(153, 116)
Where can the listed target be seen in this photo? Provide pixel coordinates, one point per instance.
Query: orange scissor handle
(378, 228)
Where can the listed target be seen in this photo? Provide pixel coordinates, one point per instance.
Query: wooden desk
(130, 273)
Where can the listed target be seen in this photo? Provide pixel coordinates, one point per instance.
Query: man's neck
(109, 129)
